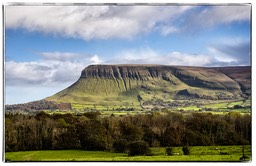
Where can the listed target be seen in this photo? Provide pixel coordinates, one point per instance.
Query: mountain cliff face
(135, 72)
(119, 84)
(214, 78)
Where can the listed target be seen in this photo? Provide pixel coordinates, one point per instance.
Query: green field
(197, 153)
(209, 106)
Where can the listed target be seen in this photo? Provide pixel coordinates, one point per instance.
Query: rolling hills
(155, 85)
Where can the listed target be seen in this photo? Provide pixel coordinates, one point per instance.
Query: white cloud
(225, 14)
(149, 56)
(93, 22)
(26, 72)
(184, 59)
(166, 30)
(220, 56)
(212, 16)
(95, 60)
(50, 71)
(104, 22)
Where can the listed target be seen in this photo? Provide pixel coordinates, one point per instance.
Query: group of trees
(91, 131)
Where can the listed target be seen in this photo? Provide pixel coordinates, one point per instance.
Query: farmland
(193, 105)
(210, 106)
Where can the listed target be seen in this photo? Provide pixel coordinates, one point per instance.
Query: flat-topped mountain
(139, 85)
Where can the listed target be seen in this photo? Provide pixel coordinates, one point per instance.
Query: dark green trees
(91, 131)
(138, 148)
(120, 146)
(92, 135)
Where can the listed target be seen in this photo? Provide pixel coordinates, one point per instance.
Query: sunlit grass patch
(198, 153)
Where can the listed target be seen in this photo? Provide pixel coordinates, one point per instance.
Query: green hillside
(153, 85)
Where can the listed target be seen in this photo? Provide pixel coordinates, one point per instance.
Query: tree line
(92, 131)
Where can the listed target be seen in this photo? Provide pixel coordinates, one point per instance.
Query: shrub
(97, 144)
(237, 106)
(138, 148)
(120, 146)
(169, 151)
(186, 150)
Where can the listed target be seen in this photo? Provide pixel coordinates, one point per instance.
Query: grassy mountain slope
(133, 85)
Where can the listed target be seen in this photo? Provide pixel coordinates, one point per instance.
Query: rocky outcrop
(136, 72)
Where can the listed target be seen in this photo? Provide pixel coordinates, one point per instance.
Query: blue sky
(46, 47)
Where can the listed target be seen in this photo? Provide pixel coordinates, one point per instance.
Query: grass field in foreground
(198, 153)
